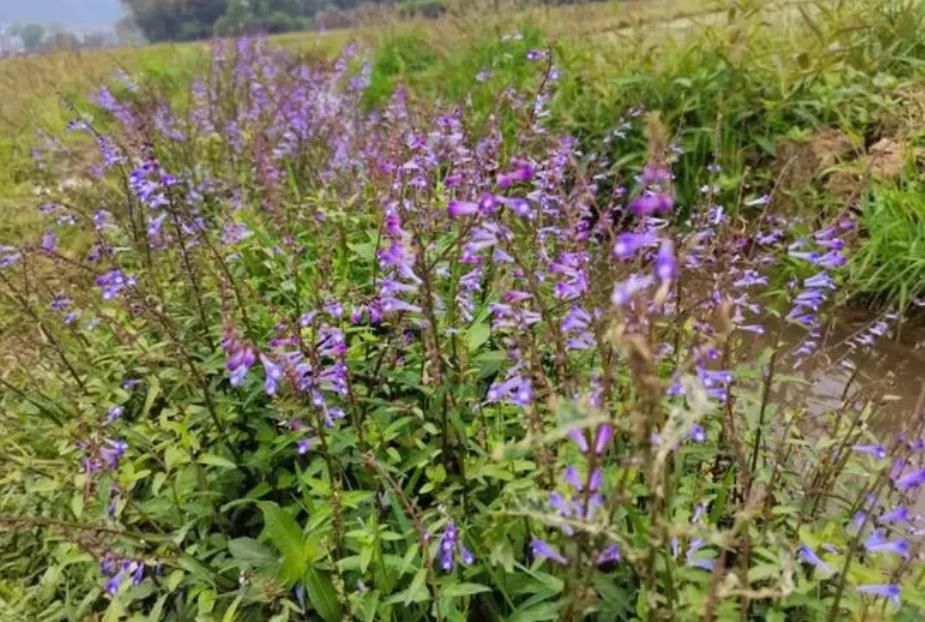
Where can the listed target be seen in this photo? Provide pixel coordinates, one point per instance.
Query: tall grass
(890, 265)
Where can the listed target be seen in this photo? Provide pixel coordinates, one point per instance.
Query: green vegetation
(484, 317)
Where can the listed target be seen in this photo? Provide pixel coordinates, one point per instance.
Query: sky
(72, 14)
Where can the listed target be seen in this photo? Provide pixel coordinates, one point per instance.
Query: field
(516, 314)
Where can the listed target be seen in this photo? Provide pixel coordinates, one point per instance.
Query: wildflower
(112, 283)
(449, 547)
(877, 451)
(535, 55)
(697, 434)
(516, 389)
(304, 445)
(611, 554)
(877, 543)
(461, 208)
(896, 515)
(762, 200)
(115, 412)
(523, 171)
(483, 75)
(890, 591)
(273, 373)
(542, 549)
(810, 557)
(628, 243)
(694, 561)
(624, 291)
(911, 480)
(666, 265)
(820, 281)
(49, 241)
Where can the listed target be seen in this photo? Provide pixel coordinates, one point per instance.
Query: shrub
(280, 358)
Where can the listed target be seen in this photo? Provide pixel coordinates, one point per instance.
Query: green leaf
(250, 551)
(477, 335)
(286, 535)
(463, 589)
(322, 595)
(206, 602)
(543, 611)
(232, 611)
(214, 460)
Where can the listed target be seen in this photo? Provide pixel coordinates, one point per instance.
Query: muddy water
(888, 373)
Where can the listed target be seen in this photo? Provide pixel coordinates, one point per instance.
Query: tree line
(184, 20)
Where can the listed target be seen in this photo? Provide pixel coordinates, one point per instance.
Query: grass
(890, 266)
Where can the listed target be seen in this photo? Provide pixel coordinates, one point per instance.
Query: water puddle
(887, 373)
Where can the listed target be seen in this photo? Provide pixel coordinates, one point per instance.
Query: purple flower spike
(542, 549)
(889, 591)
(450, 547)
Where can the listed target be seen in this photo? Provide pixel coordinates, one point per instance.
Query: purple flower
(483, 75)
(697, 434)
(692, 559)
(450, 547)
(877, 543)
(896, 515)
(516, 390)
(666, 265)
(810, 557)
(911, 480)
(820, 281)
(49, 241)
(273, 374)
(304, 445)
(523, 171)
(624, 291)
(115, 412)
(611, 554)
(114, 282)
(456, 209)
(889, 591)
(877, 451)
(535, 55)
(628, 243)
(541, 549)
(602, 439)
